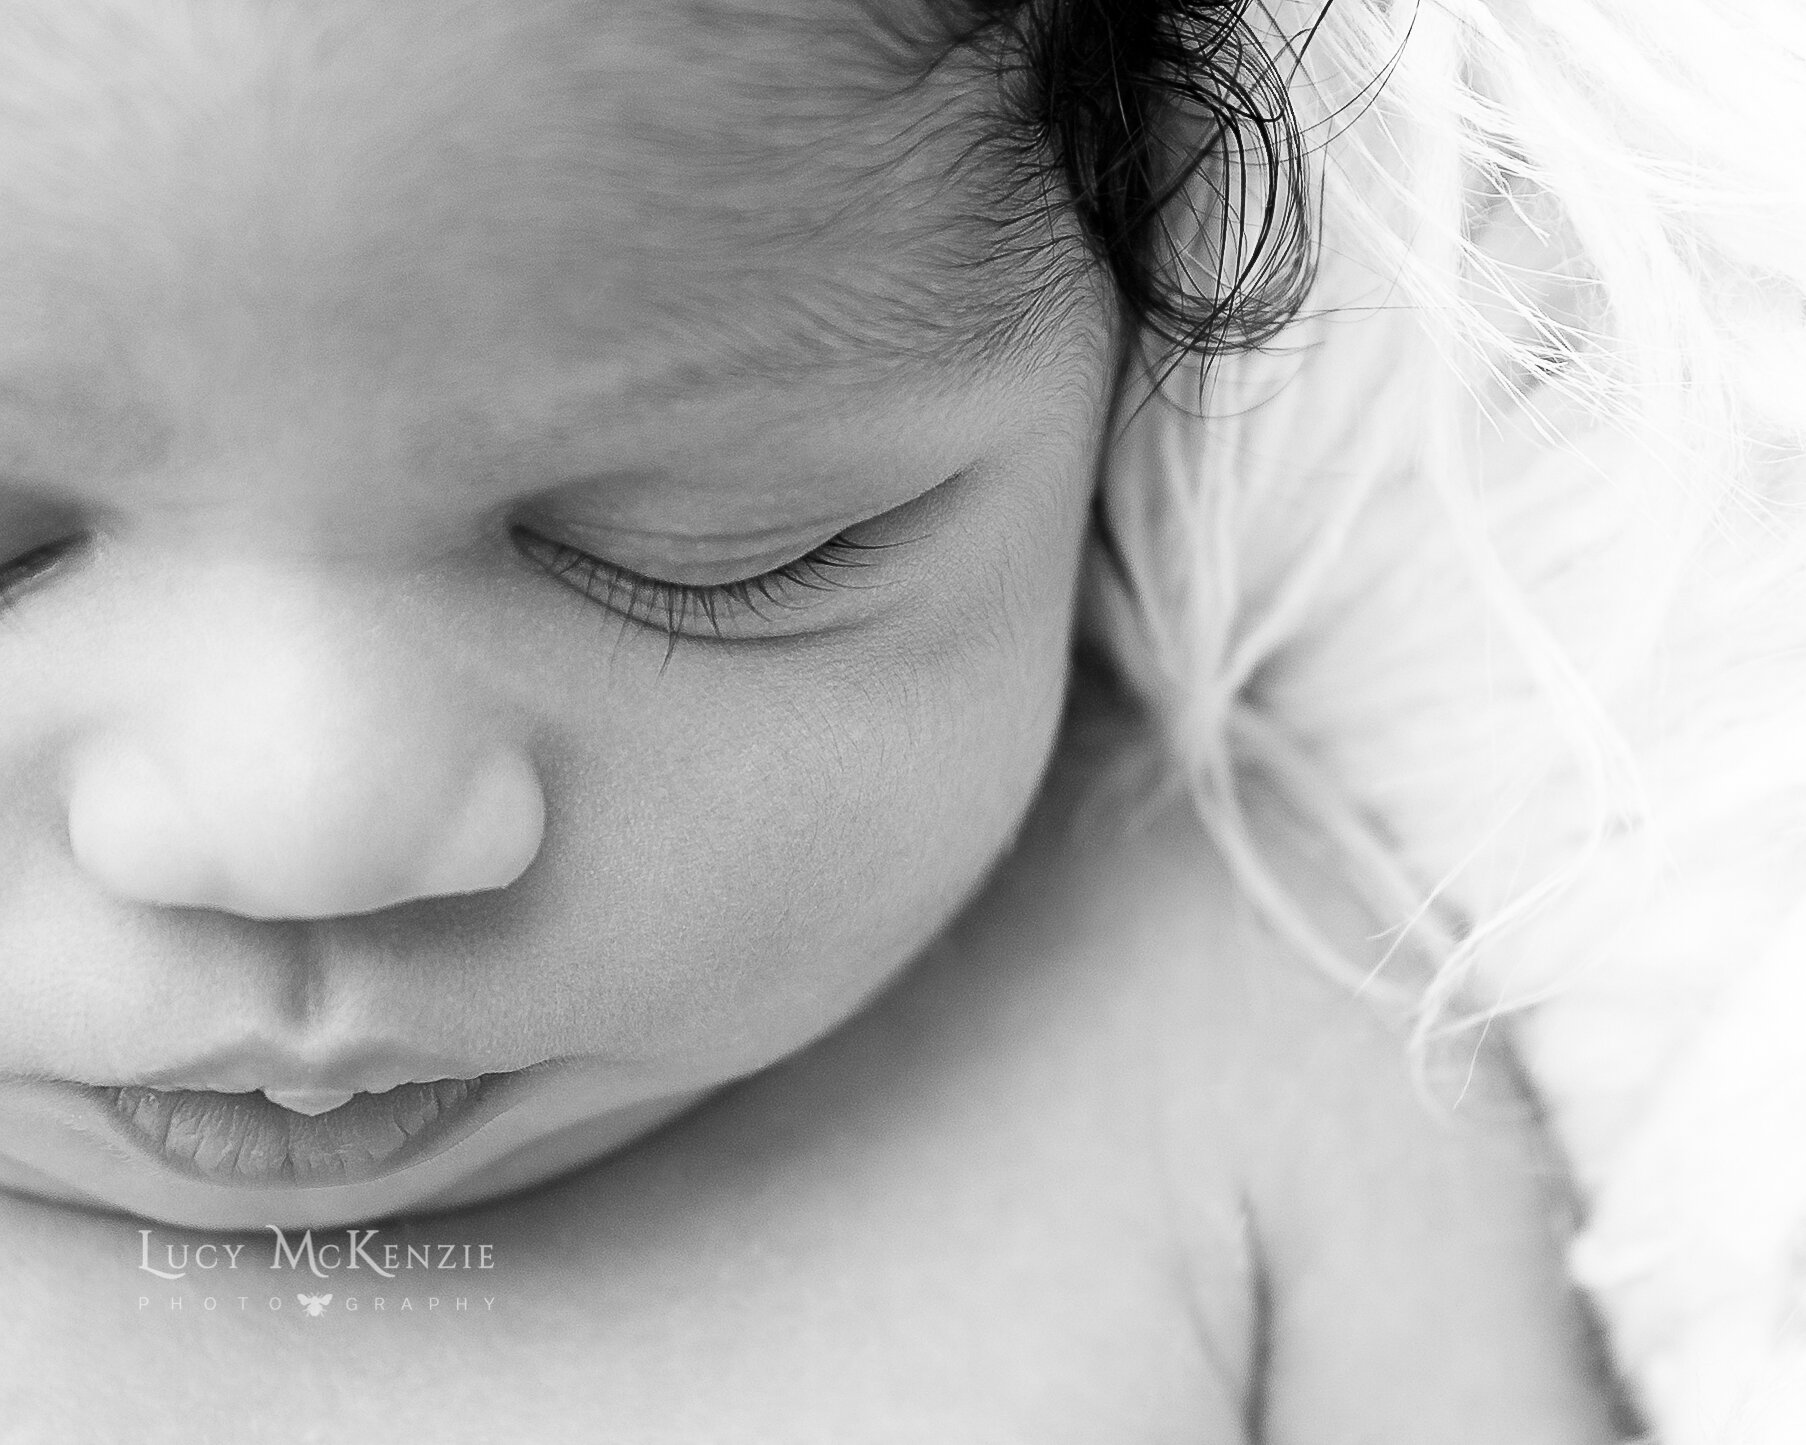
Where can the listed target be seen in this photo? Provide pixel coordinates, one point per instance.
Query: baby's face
(539, 548)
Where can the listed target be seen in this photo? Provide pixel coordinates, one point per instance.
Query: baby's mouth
(293, 1137)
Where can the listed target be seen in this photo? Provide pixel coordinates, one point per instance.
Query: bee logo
(314, 1304)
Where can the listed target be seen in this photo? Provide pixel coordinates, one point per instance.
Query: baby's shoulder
(1121, 928)
(1121, 911)
(1363, 1193)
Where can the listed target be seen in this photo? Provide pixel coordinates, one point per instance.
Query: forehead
(234, 193)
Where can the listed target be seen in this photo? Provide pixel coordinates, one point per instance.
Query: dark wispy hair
(1177, 148)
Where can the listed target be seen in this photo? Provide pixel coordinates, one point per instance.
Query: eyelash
(672, 607)
(666, 606)
(28, 567)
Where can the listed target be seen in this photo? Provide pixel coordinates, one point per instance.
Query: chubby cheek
(744, 851)
(741, 840)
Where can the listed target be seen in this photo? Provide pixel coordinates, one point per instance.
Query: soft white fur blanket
(1497, 560)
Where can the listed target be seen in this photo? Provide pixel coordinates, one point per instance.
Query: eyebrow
(557, 435)
(102, 420)
(102, 423)
(89, 415)
(841, 365)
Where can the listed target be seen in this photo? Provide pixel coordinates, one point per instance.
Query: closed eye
(687, 609)
(25, 569)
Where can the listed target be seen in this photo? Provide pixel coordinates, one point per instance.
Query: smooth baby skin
(425, 423)
(426, 429)
(1106, 1166)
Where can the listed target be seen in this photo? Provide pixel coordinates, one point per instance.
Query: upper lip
(372, 1068)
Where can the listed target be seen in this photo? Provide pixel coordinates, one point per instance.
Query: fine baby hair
(1491, 560)
(543, 548)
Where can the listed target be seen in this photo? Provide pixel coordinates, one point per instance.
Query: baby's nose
(272, 805)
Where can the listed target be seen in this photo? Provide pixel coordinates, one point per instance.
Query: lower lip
(246, 1139)
(73, 1143)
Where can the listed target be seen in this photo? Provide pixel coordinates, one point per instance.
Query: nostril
(271, 842)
